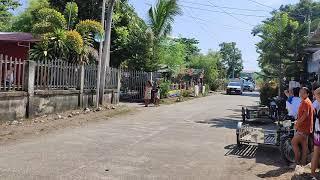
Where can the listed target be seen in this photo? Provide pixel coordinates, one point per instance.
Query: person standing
(293, 102)
(147, 93)
(316, 135)
(157, 93)
(303, 126)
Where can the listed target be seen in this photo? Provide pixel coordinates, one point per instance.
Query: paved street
(190, 140)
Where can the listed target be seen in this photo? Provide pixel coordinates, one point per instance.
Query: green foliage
(231, 59)
(282, 38)
(186, 93)
(71, 14)
(164, 89)
(6, 8)
(172, 54)
(267, 90)
(48, 20)
(24, 21)
(210, 64)
(89, 26)
(191, 47)
(162, 16)
(41, 51)
(74, 41)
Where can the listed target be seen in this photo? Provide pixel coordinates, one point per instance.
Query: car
(248, 86)
(234, 88)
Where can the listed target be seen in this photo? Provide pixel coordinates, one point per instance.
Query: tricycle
(273, 112)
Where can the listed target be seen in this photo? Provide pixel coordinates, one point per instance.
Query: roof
(17, 37)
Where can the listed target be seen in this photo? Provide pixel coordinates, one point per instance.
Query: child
(157, 94)
(147, 93)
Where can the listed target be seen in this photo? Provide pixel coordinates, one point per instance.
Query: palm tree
(161, 18)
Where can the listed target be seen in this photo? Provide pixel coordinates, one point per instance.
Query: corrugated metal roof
(17, 37)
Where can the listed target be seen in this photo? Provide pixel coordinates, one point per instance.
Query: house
(16, 44)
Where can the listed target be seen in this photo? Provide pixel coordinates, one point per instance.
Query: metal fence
(132, 84)
(56, 74)
(11, 73)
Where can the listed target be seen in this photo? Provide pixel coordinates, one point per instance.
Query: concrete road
(190, 140)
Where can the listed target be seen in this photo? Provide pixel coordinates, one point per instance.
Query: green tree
(191, 47)
(6, 7)
(231, 59)
(71, 14)
(24, 21)
(210, 64)
(278, 46)
(161, 18)
(172, 54)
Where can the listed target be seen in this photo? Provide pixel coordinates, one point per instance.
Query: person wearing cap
(303, 126)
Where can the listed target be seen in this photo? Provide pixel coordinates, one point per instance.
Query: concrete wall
(13, 105)
(17, 105)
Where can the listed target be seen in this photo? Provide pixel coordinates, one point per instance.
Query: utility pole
(106, 49)
(100, 54)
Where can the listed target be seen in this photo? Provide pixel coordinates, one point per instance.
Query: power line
(232, 15)
(261, 4)
(224, 12)
(225, 7)
(227, 26)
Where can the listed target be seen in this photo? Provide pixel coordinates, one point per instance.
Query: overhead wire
(231, 15)
(224, 7)
(237, 14)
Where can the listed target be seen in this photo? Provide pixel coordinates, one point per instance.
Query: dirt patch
(15, 130)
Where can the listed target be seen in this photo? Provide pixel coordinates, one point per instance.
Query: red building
(16, 44)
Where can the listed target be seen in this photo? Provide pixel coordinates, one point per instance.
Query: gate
(133, 84)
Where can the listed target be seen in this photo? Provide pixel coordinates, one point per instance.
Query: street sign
(99, 37)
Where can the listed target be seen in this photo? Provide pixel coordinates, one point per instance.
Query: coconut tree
(161, 18)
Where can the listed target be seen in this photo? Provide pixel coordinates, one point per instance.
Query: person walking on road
(157, 93)
(303, 126)
(147, 93)
(316, 137)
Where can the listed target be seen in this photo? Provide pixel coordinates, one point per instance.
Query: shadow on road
(244, 151)
(252, 94)
(221, 123)
(266, 155)
(275, 173)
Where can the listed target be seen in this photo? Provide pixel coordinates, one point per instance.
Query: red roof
(17, 37)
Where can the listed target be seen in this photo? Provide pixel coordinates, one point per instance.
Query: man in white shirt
(293, 102)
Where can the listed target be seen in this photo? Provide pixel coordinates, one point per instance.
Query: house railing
(11, 73)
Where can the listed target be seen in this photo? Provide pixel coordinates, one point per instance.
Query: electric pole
(100, 53)
(105, 60)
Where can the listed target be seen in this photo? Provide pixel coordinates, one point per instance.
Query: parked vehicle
(248, 86)
(280, 137)
(235, 88)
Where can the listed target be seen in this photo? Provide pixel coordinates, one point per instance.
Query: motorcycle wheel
(286, 150)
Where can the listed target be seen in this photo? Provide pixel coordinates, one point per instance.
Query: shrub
(186, 93)
(267, 90)
(217, 84)
(164, 89)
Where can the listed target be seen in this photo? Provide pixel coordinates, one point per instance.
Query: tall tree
(6, 6)
(191, 47)
(231, 59)
(278, 46)
(161, 18)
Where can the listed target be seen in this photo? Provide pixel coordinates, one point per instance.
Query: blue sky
(213, 28)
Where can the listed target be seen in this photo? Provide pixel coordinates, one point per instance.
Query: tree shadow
(251, 94)
(221, 123)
